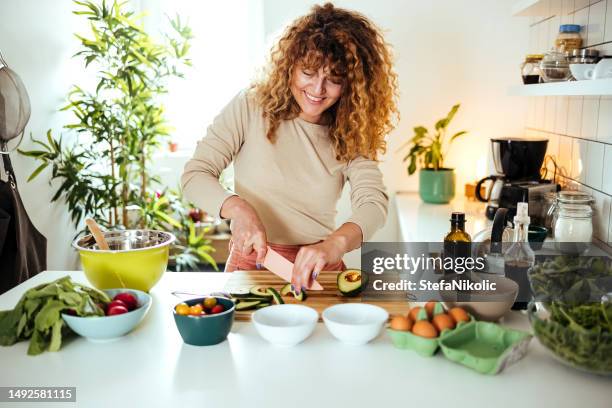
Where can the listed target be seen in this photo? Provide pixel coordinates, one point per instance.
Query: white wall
(36, 39)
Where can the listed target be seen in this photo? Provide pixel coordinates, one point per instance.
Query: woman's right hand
(248, 232)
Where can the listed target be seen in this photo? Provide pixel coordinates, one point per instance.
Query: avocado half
(351, 282)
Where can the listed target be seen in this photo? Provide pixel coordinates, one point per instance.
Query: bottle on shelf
(520, 257)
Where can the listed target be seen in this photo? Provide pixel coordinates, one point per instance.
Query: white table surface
(152, 367)
(422, 222)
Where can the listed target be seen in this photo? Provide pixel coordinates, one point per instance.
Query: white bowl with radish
(123, 313)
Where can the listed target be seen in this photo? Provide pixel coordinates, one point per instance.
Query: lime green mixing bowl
(137, 258)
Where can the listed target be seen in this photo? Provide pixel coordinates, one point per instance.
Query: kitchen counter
(422, 222)
(153, 367)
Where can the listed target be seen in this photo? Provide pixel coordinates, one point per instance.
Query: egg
(459, 315)
(401, 323)
(414, 313)
(424, 329)
(443, 321)
(429, 307)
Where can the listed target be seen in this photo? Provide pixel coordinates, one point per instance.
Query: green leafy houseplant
(119, 126)
(428, 151)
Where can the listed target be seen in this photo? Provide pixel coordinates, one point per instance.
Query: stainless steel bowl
(126, 240)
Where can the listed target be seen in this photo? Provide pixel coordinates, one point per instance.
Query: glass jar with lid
(530, 68)
(575, 208)
(574, 224)
(554, 67)
(548, 210)
(569, 38)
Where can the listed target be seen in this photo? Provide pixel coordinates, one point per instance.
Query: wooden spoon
(102, 244)
(97, 234)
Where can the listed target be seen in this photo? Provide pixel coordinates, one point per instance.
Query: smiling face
(315, 91)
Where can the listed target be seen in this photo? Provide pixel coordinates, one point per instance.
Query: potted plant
(427, 151)
(106, 171)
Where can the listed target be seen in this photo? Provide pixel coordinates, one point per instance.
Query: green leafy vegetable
(578, 325)
(37, 315)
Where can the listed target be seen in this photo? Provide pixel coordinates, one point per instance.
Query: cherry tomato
(182, 309)
(210, 302)
(217, 309)
(196, 310)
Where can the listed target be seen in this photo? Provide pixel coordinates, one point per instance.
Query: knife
(283, 268)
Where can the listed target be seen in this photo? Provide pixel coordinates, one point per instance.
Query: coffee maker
(517, 163)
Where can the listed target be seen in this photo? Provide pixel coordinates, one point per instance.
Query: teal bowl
(106, 328)
(536, 236)
(206, 330)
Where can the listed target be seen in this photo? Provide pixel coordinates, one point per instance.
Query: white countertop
(152, 367)
(422, 222)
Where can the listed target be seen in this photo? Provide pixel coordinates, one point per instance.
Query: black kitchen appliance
(517, 163)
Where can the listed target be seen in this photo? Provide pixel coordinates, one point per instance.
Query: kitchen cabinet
(151, 366)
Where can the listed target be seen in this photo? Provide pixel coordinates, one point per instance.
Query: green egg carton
(425, 347)
(485, 347)
(406, 340)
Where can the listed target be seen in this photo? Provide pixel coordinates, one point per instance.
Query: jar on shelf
(554, 67)
(568, 38)
(530, 68)
(574, 209)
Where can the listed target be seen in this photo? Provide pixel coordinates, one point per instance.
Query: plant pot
(437, 186)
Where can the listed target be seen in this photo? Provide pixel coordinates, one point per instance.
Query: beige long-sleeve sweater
(293, 184)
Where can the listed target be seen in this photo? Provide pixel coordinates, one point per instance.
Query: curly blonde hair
(354, 49)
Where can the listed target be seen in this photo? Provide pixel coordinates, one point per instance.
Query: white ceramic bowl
(582, 71)
(285, 325)
(355, 323)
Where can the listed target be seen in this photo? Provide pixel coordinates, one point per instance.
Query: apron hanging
(23, 250)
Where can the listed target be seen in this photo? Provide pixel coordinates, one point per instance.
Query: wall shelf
(570, 88)
(529, 8)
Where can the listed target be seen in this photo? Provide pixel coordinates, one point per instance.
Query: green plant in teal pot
(427, 151)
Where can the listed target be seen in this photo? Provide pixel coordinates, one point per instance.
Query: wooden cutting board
(318, 300)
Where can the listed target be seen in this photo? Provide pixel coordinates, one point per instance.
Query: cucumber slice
(247, 305)
(253, 299)
(260, 291)
(276, 296)
(262, 305)
(240, 293)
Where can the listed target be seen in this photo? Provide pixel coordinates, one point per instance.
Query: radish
(116, 303)
(116, 310)
(128, 299)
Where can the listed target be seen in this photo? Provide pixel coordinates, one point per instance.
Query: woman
(317, 119)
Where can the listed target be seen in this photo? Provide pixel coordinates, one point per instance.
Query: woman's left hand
(311, 260)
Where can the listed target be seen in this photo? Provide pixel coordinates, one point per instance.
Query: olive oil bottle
(457, 243)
